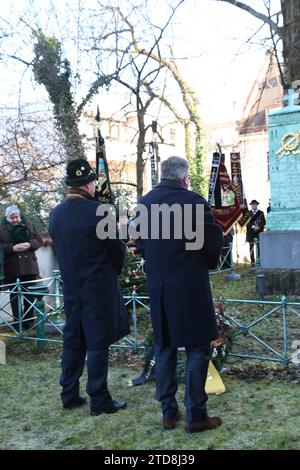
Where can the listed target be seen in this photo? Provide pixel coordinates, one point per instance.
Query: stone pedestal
(280, 262)
(280, 249)
(281, 281)
(284, 166)
(280, 244)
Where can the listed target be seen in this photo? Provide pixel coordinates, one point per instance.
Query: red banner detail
(230, 211)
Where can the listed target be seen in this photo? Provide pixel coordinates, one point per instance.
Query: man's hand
(21, 247)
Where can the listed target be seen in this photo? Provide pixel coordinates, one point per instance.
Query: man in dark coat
(254, 227)
(181, 302)
(95, 313)
(20, 240)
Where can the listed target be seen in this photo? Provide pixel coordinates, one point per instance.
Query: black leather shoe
(112, 408)
(80, 401)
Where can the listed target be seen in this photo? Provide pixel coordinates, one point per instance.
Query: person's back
(95, 312)
(182, 310)
(167, 255)
(83, 258)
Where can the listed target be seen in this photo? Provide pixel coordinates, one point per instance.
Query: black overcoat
(259, 221)
(89, 269)
(181, 302)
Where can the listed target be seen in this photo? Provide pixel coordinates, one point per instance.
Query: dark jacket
(23, 263)
(181, 303)
(259, 221)
(89, 269)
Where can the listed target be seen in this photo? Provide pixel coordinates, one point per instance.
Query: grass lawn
(257, 413)
(260, 409)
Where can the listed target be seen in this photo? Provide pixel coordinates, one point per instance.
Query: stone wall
(281, 281)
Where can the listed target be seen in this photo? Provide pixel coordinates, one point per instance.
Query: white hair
(174, 168)
(11, 210)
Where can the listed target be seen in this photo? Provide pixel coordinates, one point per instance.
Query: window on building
(114, 131)
(172, 136)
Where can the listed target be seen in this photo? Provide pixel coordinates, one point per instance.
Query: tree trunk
(54, 73)
(140, 164)
(291, 40)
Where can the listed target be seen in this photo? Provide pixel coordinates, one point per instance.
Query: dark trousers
(253, 250)
(197, 360)
(26, 310)
(73, 361)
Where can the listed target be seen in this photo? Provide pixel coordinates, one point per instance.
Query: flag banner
(236, 177)
(225, 204)
(153, 165)
(102, 190)
(246, 216)
(213, 176)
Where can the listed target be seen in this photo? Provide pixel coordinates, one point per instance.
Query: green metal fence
(44, 308)
(226, 260)
(265, 332)
(46, 312)
(274, 338)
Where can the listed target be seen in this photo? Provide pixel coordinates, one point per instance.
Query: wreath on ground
(223, 344)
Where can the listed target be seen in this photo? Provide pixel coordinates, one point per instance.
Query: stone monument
(280, 244)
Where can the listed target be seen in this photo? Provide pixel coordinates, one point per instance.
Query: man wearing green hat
(95, 312)
(20, 240)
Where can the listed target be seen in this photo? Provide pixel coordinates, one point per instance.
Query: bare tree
(288, 34)
(127, 49)
(31, 156)
(135, 41)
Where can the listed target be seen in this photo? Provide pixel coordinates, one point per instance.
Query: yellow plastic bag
(214, 383)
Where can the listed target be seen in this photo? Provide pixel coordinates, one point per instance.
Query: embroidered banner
(103, 190)
(153, 164)
(236, 176)
(213, 176)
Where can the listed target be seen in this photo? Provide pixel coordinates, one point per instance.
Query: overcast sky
(213, 35)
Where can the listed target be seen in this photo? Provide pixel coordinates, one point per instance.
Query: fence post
(260, 285)
(231, 257)
(19, 292)
(233, 276)
(56, 275)
(38, 292)
(134, 318)
(257, 253)
(285, 342)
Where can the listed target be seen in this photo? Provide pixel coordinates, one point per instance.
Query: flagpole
(104, 192)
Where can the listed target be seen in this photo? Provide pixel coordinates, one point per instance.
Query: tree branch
(266, 19)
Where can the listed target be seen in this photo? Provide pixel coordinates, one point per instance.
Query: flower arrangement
(223, 344)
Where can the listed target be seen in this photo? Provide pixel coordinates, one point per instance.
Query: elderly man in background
(255, 226)
(20, 240)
